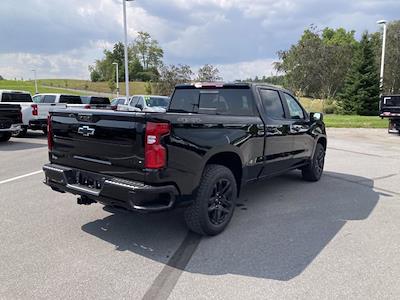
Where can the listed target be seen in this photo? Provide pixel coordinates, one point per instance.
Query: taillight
(34, 109)
(20, 117)
(155, 153)
(49, 133)
(87, 106)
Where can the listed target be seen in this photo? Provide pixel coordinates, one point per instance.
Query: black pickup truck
(10, 120)
(389, 107)
(213, 139)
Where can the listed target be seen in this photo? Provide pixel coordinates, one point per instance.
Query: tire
(21, 133)
(214, 203)
(5, 136)
(314, 170)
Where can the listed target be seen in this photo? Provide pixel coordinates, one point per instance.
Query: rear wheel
(313, 171)
(20, 133)
(214, 203)
(5, 136)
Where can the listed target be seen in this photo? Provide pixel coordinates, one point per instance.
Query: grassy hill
(29, 86)
(86, 85)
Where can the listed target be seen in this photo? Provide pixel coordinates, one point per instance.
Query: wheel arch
(232, 161)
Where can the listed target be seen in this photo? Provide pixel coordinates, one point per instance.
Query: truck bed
(9, 114)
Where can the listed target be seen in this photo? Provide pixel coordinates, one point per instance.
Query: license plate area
(89, 180)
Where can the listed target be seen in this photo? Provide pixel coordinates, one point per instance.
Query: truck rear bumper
(38, 124)
(109, 190)
(12, 128)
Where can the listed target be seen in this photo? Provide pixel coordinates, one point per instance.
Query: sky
(60, 39)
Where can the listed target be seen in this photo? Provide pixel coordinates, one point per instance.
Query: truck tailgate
(9, 114)
(107, 142)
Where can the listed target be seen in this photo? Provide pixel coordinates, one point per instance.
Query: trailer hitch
(84, 200)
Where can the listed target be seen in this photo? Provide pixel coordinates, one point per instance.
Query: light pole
(117, 77)
(126, 51)
(34, 76)
(382, 22)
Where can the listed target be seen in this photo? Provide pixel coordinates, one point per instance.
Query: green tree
(148, 50)
(317, 64)
(148, 89)
(171, 76)
(208, 73)
(368, 83)
(144, 56)
(361, 90)
(391, 81)
(112, 86)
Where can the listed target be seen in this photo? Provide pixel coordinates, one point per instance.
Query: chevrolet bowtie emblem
(86, 130)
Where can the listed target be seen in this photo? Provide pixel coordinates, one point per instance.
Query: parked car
(213, 139)
(96, 102)
(390, 108)
(10, 120)
(47, 102)
(30, 112)
(118, 101)
(146, 103)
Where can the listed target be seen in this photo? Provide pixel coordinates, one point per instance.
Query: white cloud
(240, 36)
(20, 65)
(247, 69)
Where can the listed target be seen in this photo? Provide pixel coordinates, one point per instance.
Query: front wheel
(313, 171)
(214, 203)
(5, 136)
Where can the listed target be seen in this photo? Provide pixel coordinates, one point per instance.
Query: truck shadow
(280, 226)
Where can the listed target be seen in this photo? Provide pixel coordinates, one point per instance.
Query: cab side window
(49, 99)
(134, 101)
(295, 110)
(140, 103)
(272, 104)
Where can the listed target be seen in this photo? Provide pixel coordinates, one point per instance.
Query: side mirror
(140, 106)
(316, 116)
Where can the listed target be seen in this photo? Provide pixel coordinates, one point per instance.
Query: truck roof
(229, 84)
(55, 94)
(14, 91)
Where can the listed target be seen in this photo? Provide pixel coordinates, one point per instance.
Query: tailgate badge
(86, 130)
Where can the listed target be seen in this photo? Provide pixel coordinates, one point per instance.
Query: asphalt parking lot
(338, 238)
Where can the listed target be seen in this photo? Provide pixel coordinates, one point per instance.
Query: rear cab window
(16, 97)
(230, 100)
(99, 100)
(69, 99)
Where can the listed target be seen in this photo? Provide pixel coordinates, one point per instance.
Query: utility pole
(117, 77)
(34, 76)
(126, 51)
(382, 22)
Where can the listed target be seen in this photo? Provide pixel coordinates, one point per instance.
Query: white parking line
(19, 177)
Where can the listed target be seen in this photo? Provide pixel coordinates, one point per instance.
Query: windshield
(224, 101)
(16, 97)
(156, 101)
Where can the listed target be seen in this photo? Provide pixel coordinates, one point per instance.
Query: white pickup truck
(29, 110)
(47, 102)
(145, 103)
